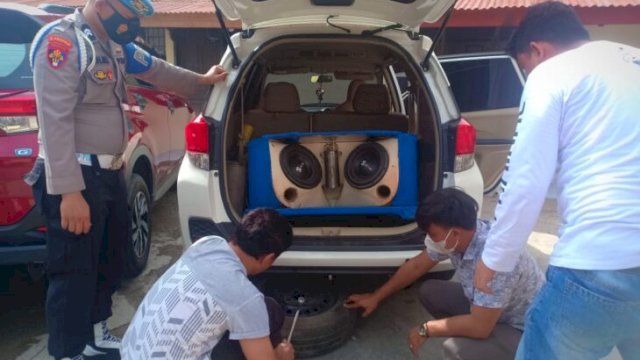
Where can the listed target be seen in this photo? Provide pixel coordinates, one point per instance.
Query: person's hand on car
(368, 302)
(216, 74)
(285, 351)
(74, 213)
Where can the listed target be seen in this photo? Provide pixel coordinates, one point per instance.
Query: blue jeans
(582, 315)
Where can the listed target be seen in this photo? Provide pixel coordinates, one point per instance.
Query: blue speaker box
(334, 173)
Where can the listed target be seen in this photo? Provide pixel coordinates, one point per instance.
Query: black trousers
(83, 270)
(230, 349)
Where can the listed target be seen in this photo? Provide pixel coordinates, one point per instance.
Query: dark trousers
(446, 298)
(230, 349)
(83, 270)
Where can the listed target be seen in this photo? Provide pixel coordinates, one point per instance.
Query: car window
(484, 84)
(15, 72)
(16, 32)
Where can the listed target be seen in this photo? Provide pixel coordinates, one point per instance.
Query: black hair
(263, 231)
(550, 21)
(448, 208)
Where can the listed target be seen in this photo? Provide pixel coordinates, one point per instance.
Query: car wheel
(323, 324)
(137, 248)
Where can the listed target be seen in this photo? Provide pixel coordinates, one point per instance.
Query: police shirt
(79, 108)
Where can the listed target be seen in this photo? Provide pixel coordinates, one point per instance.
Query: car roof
(31, 11)
(26, 9)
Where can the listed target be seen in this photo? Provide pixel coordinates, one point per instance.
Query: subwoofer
(355, 173)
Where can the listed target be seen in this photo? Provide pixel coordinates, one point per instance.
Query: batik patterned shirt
(512, 291)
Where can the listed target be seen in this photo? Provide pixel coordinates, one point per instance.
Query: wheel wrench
(295, 317)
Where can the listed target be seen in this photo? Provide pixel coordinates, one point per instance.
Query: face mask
(120, 29)
(440, 246)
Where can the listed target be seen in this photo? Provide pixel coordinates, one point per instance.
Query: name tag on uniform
(84, 159)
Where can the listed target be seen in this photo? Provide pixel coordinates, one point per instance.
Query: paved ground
(381, 336)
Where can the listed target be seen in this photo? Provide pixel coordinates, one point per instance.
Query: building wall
(626, 34)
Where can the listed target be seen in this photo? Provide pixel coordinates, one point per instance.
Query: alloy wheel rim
(140, 224)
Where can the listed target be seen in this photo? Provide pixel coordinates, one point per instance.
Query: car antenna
(227, 36)
(425, 62)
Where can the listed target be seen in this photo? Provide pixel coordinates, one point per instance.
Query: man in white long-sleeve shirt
(580, 122)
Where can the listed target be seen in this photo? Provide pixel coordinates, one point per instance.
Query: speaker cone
(300, 166)
(366, 165)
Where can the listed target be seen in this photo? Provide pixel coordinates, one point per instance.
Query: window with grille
(154, 39)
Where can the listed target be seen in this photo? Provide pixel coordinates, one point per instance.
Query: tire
(323, 324)
(136, 252)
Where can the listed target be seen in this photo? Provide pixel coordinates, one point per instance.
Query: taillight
(18, 115)
(197, 140)
(465, 146)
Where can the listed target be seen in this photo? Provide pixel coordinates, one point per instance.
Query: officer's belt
(106, 161)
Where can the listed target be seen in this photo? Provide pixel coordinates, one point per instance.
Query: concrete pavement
(381, 336)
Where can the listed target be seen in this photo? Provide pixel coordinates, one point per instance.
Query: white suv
(312, 121)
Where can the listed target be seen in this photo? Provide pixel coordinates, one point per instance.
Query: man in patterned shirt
(206, 293)
(477, 325)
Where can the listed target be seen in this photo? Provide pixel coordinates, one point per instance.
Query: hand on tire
(368, 302)
(284, 351)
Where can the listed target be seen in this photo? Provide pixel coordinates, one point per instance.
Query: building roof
(205, 6)
(200, 13)
(160, 6)
(500, 4)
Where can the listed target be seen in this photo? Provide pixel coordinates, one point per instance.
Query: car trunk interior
(340, 88)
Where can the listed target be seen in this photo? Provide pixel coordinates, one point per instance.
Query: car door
(487, 89)
(179, 115)
(148, 112)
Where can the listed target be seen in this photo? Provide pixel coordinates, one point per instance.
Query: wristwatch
(423, 330)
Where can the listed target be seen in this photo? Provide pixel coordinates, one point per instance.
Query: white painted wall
(626, 34)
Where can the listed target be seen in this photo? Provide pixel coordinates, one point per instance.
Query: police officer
(79, 65)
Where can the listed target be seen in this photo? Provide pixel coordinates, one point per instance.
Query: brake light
(197, 141)
(18, 115)
(465, 146)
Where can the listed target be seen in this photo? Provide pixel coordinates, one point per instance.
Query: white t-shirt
(580, 122)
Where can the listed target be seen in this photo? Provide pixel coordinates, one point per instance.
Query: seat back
(371, 112)
(279, 111)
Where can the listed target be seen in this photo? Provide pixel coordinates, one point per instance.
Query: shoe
(77, 357)
(103, 344)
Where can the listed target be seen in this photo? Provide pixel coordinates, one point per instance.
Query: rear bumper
(21, 243)
(357, 262)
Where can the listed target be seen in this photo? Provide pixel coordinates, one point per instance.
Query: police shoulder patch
(137, 59)
(58, 48)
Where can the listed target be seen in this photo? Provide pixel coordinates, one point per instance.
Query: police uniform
(79, 83)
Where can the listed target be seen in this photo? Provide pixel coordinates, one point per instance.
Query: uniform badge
(103, 74)
(140, 6)
(123, 28)
(141, 56)
(58, 51)
(87, 31)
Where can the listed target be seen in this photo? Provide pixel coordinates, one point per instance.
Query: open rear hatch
(266, 13)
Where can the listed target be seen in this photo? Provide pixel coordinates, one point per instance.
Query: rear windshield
(312, 92)
(16, 33)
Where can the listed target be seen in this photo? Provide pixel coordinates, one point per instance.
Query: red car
(152, 158)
